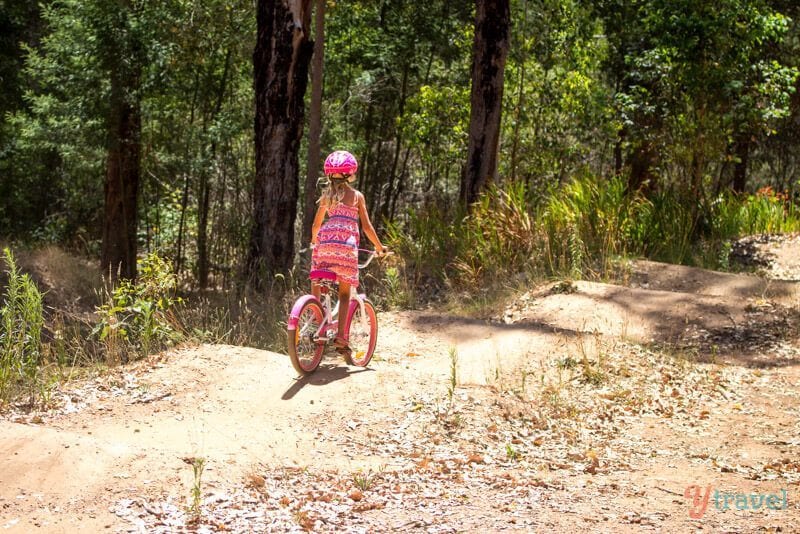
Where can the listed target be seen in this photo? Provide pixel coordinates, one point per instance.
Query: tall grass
(581, 229)
(254, 320)
(138, 317)
(765, 212)
(459, 249)
(21, 323)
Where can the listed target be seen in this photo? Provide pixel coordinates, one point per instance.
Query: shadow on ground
(325, 374)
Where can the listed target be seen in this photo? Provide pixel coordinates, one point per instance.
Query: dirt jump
(667, 402)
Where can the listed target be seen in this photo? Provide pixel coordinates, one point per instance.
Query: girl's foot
(342, 345)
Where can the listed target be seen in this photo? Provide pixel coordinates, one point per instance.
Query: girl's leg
(344, 306)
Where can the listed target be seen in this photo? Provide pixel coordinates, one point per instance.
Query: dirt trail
(495, 453)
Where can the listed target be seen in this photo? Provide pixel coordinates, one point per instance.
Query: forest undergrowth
(60, 319)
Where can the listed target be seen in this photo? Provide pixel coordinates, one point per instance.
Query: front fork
(356, 299)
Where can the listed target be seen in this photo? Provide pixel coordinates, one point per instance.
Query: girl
(335, 243)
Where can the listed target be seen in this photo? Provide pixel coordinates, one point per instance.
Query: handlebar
(371, 254)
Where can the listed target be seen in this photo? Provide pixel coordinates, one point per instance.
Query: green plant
(576, 252)
(451, 386)
(567, 362)
(512, 453)
(591, 372)
(581, 228)
(245, 318)
(138, 317)
(364, 481)
(198, 465)
(396, 292)
(564, 287)
(523, 379)
(21, 323)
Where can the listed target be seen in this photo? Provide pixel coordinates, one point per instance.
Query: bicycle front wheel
(305, 350)
(363, 333)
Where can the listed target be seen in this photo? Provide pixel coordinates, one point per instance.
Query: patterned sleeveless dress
(336, 255)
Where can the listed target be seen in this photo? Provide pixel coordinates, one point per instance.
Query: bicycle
(313, 324)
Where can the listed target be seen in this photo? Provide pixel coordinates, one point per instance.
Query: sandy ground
(491, 454)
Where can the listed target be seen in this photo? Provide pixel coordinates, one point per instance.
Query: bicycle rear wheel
(362, 333)
(305, 350)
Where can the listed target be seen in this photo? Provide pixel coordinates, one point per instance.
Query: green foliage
(693, 78)
(589, 86)
(453, 383)
(397, 86)
(584, 220)
(397, 294)
(426, 242)
(436, 123)
(582, 228)
(670, 226)
(138, 317)
(21, 324)
(192, 63)
(555, 105)
(198, 465)
(765, 212)
(498, 236)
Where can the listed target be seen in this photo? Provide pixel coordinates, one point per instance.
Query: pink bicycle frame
(356, 299)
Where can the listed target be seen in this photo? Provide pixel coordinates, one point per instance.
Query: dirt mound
(773, 255)
(563, 412)
(679, 278)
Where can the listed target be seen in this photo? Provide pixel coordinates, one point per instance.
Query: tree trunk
(118, 255)
(315, 121)
(281, 59)
(178, 267)
(204, 186)
(520, 100)
(490, 48)
(204, 203)
(386, 204)
(641, 160)
(401, 184)
(618, 153)
(742, 149)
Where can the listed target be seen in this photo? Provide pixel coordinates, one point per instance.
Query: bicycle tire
(304, 351)
(362, 336)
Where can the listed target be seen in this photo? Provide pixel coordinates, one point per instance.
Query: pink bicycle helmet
(341, 162)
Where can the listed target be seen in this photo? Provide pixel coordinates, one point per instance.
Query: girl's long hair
(334, 192)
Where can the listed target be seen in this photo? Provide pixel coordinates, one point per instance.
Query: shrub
(138, 317)
(579, 229)
(21, 323)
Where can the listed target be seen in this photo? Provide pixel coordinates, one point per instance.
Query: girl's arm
(318, 218)
(366, 224)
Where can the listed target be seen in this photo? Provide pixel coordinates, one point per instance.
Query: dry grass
(68, 282)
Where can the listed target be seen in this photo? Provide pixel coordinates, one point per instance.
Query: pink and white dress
(335, 257)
